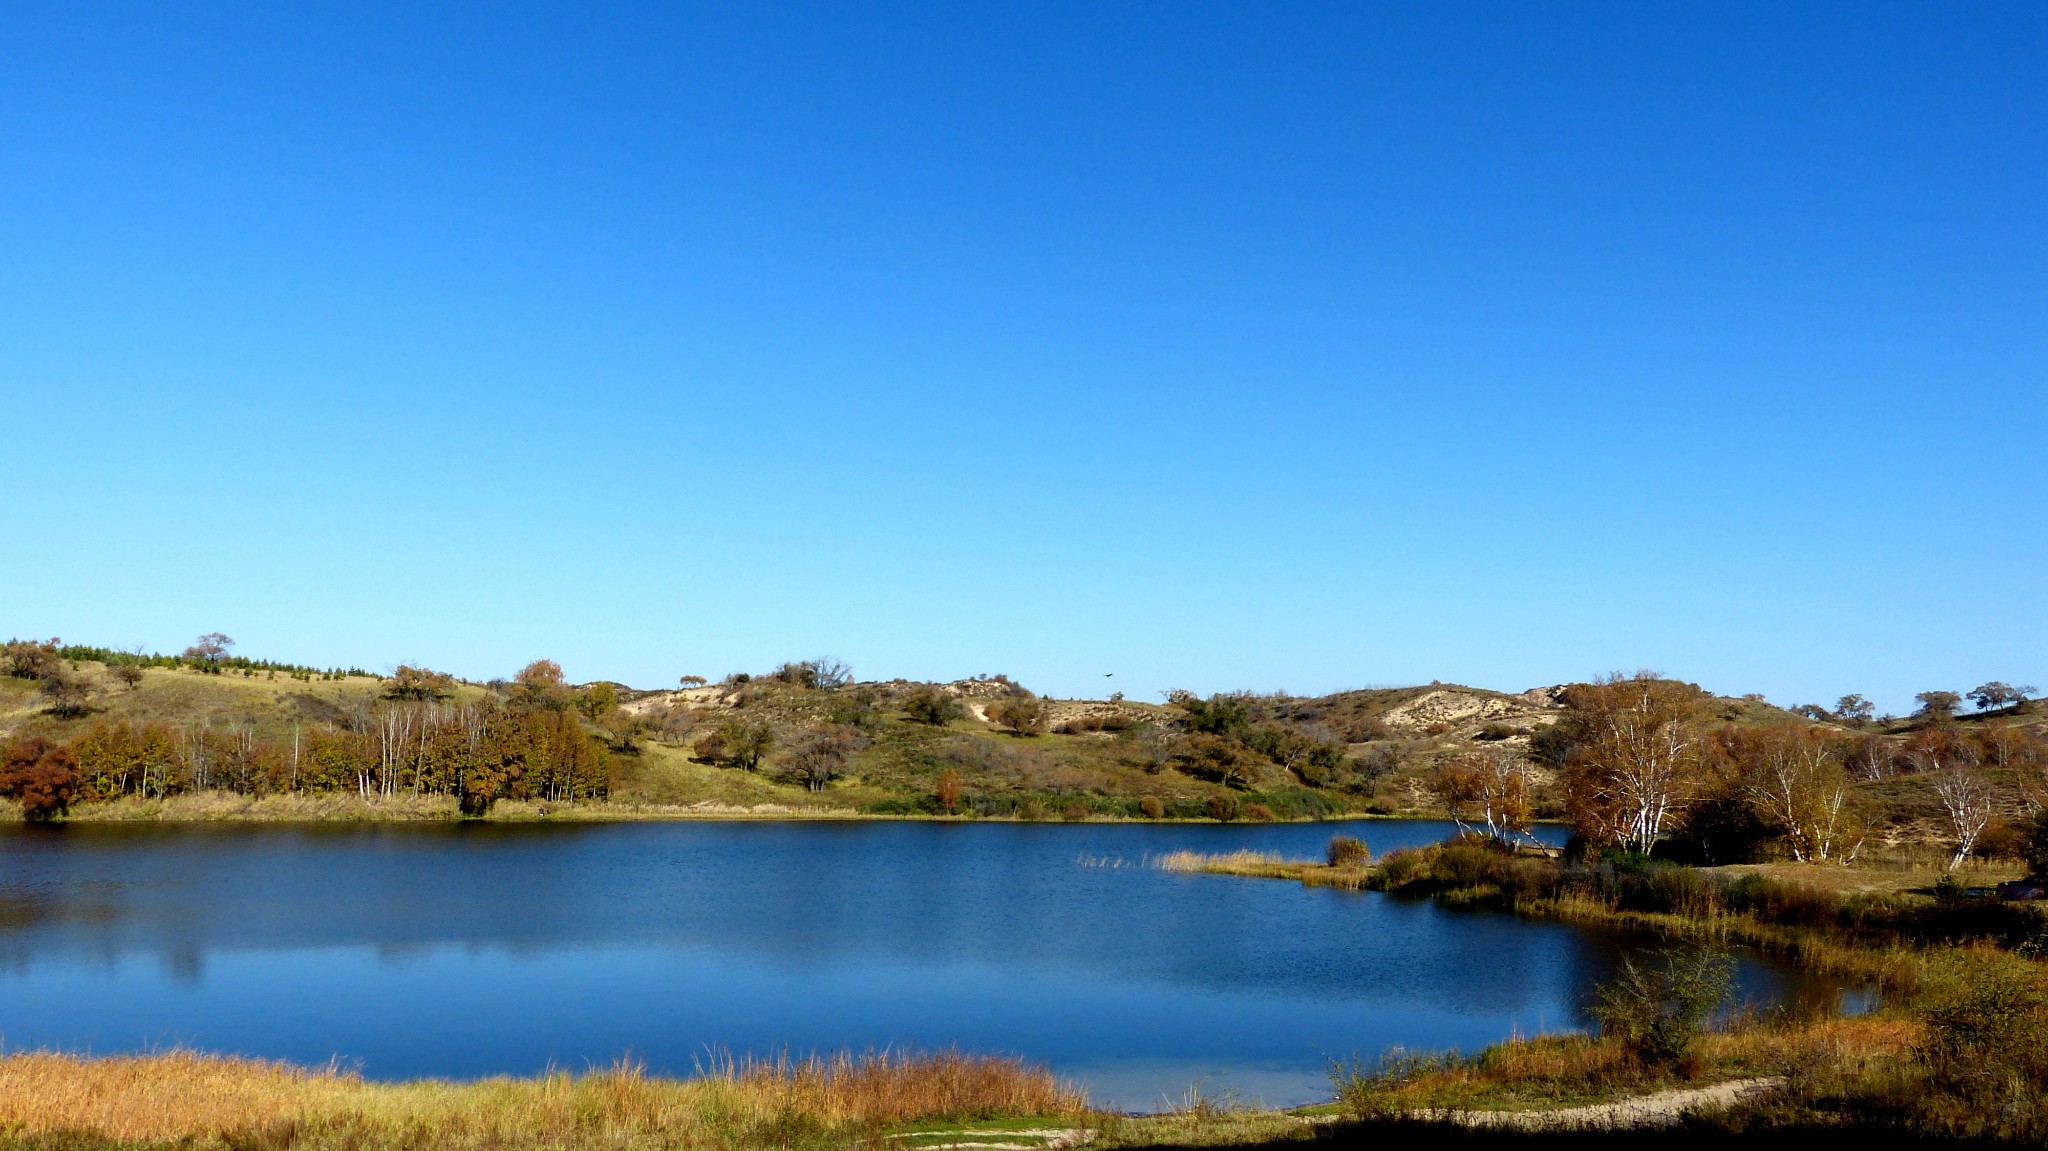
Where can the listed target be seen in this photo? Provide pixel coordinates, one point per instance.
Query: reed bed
(1262, 864)
(192, 1100)
(1266, 865)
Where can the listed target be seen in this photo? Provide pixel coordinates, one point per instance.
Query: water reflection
(471, 950)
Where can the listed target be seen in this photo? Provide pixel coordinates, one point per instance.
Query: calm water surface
(472, 950)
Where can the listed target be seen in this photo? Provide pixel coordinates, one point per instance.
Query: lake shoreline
(229, 807)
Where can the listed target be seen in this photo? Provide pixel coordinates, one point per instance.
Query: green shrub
(1790, 904)
(1403, 866)
(1659, 1007)
(1987, 1029)
(1464, 863)
(932, 705)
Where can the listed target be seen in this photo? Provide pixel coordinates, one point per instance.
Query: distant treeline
(225, 662)
(525, 744)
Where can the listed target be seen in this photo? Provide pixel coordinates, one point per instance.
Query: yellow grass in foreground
(209, 1101)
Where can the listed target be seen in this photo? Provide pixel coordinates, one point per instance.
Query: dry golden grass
(224, 806)
(1894, 966)
(208, 1101)
(1550, 1071)
(160, 1096)
(1245, 862)
(1864, 878)
(1264, 865)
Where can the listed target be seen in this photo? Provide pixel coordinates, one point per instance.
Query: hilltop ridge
(809, 739)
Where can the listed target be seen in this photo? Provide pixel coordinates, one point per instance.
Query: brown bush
(28, 658)
(948, 790)
(1151, 808)
(1347, 851)
(40, 775)
(2000, 840)
(1366, 730)
(1258, 813)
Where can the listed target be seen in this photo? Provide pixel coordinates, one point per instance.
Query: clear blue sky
(1280, 346)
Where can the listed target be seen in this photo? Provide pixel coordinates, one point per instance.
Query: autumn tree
(1937, 706)
(797, 673)
(1968, 803)
(1455, 787)
(1634, 756)
(29, 658)
(1996, 695)
(948, 789)
(66, 693)
(1504, 794)
(1490, 786)
(738, 742)
(1853, 708)
(1796, 781)
(1313, 757)
(1874, 758)
(540, 684)
(1375, 763)
(2022, 755)
(819, 755)
(597, 701)
(418, 683)
(2012, 749)
(39, 775)
(210, 649)
(128, 671)
(1937, 748)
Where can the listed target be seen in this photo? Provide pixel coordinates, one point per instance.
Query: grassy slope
(179, 696)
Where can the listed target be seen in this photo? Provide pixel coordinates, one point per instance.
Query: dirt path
(1028, 1139)
(1659, 1110)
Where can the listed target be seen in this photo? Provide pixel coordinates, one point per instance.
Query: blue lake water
(470, 950)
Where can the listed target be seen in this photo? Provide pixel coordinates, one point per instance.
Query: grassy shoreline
(228, 807)
(1959, 1050)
